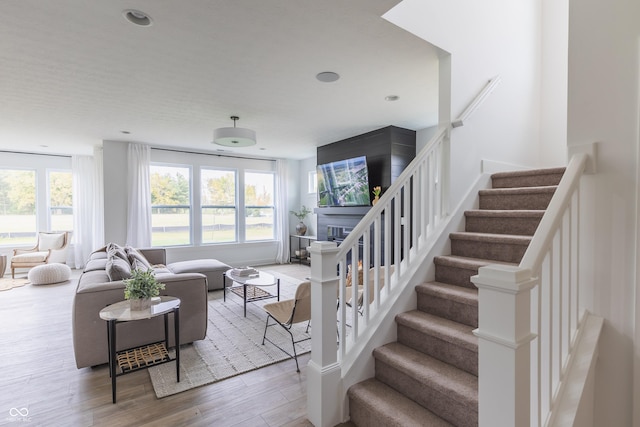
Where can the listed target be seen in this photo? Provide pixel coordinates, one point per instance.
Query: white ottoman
(48, 274)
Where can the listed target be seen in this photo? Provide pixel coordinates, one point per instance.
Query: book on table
(245, 272)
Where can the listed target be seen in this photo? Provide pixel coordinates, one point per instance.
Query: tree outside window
(170, 205)
(218, 200)
(259, 205)
(60, 201)
(18, 223)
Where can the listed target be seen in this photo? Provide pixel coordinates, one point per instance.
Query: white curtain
(282, 223)
(139, 206)
(98, 198)
(88, 213)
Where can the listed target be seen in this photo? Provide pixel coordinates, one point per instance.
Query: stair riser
(538, 201)
(496, 251)
(447, 352)
(440, 404)
(448, 309)
(526, 181)
(497, 225)
(455, 275)
(362, 414)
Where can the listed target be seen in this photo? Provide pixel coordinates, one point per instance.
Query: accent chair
(50, 248)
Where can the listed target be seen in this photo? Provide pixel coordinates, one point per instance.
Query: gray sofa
(101, 284)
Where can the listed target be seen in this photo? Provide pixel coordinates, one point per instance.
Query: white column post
(324, 378)
(504, 332)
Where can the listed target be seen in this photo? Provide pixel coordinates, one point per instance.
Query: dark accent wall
(389, 150)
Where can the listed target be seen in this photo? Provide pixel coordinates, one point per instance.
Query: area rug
(7, 283)
(233, 344)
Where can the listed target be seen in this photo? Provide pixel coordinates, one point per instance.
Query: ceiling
(74, 73)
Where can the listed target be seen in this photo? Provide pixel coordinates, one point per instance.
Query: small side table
(145, 356)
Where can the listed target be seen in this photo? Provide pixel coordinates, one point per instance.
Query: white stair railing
(529, 316)
(385, 243)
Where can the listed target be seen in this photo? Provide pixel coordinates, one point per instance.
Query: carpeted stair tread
(508, 239)
(373, 403)
(444, 329)
(462, 295)
(445, 379)
(532, 177)
(501, 213)
(465, 262)
(515, 222)
(546, 189)
(498, 247)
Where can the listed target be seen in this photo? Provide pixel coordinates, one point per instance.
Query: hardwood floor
(41, 386)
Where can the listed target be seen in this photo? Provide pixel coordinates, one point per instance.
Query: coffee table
(249, 288)
(144, 356)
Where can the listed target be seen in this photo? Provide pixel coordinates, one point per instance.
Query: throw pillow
(113, 249)
(50, 241)
(136, 264)
(118, 269)
(136, 255)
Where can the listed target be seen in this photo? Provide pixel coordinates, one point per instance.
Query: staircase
(429, 377)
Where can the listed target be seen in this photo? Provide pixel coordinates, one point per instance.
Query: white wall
(485, 39)
(306, 198)
(603, 106)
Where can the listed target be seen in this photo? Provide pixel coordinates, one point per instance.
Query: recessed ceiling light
(136, 17)
(126, 132)
(44, 146)
(327, 76)
(391, 98)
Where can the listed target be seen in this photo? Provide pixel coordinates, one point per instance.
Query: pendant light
(234, 136)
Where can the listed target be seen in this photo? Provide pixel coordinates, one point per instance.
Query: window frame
(235, 206)
(190, 216)
(245, 207)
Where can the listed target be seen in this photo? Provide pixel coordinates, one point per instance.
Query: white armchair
(50, 248)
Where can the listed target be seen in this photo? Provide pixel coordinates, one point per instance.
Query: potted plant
(377, 190)
(301, 228)
(140, 288)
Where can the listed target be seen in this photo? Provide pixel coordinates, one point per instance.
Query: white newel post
(324, 383)
(504, 342)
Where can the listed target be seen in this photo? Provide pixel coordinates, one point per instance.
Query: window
(170, 205)
(259, 207)
(60, 201)
(313, 182)
(218, 200)
(18, 223)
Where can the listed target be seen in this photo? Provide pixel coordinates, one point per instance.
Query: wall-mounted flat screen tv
(344, 183)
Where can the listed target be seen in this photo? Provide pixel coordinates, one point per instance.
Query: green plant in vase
(301, 228)
(140, 288)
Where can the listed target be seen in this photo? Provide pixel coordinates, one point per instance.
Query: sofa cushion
(211, 268)
(96, 264)
(118, 269)
(29, 257)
